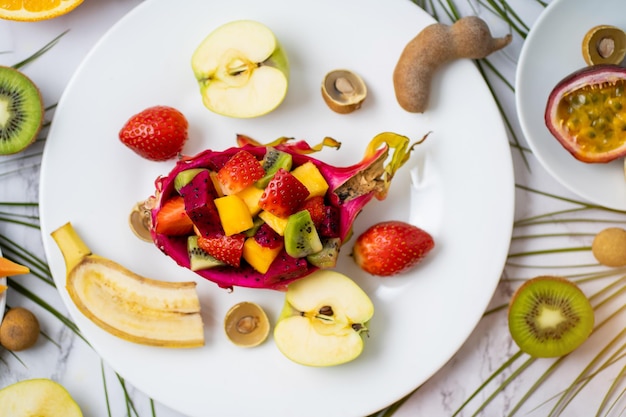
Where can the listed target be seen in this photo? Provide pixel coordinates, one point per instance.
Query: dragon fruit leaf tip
(343, 194)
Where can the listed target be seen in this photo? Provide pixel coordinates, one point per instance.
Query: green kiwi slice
(272, 162)
(21, 111)
(198, 258)
(301, 238)
(549, 316)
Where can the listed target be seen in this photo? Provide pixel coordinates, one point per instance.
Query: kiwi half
(21, 111)
(549, 316)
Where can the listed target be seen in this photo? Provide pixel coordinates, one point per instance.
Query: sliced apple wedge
(323, 320)
(241, 69)
(37, 397)
(135, 308)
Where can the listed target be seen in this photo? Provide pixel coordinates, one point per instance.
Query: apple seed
(326, 311)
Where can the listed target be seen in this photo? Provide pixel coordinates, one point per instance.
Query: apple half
(323, 320)
(37, 397)
(241, 69)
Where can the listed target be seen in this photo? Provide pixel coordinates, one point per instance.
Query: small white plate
(552, 50)
(464, 198)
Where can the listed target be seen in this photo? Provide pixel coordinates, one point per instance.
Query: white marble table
(72, 362)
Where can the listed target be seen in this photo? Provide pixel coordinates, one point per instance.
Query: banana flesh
(125, 304)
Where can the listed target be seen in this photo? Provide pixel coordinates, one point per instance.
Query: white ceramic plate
(551, 51)
(465, 199)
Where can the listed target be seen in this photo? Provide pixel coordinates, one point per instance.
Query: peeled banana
(127, 305)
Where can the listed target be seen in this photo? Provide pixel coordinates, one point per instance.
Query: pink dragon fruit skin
(347, 198)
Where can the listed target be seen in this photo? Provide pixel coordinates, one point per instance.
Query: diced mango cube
(251, 195)
(259, 257)
(278, 224)
(312, 178)
(216, 184)
(234, 214)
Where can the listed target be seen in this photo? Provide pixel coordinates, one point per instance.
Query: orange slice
(33, 10)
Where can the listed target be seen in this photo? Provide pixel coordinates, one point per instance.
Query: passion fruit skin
(586, 113)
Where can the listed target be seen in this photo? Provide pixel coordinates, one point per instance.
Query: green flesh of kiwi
(301, 238)
(184, 177)
(272, 162)
(21, 111)
(327, 257)
(549, 317)
(198, 258)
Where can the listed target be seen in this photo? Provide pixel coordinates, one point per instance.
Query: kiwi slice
(549, 317)
(301, 238)
(198, 258)
(272, 162)
(327, 257)
(21, 111)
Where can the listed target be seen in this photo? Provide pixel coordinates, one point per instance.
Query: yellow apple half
(241, 69)
(323, 319)
(37, 397)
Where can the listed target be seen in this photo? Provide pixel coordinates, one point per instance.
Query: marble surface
(64, 357)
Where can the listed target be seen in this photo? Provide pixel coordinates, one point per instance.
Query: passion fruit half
(586, 113)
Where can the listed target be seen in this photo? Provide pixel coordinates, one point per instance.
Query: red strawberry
(392, 247)
(157, 133)
(283, 195)
(240, 171)
(228, 249)
(316, 207)
(172, 219)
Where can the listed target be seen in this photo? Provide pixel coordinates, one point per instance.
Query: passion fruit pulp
(586, 113)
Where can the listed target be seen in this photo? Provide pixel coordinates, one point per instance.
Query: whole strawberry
(391, 247)
(157, 133)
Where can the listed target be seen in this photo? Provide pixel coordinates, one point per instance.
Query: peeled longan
(609, 246)
(19, 329)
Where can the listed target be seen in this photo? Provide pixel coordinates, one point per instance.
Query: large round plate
(3, 295)
(464, 198)
(552, 50)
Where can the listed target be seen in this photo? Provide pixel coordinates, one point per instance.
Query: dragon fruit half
(349, 190)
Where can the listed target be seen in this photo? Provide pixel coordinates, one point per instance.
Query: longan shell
(609, 247)
(19, 329)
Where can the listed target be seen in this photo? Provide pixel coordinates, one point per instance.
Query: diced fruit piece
(317, 209)
(234, 214)
(157, 133)
(216, 184)
(391, 247)
(228, 249)
(329, 226)
(283, 194)
(135, 308)
(172, 219)
(38, 397)
(301, 238)
(198, 258)
(267, 237)
(199, 195)
(278, 224)
(312, 178)
(323, 319)
(327, 257)
(257, 222)
(240, 171)
(272, 162)
(260, 257)
(549, 316)
(241, 69)
(284, 269)
(184, 177)
(251, 196)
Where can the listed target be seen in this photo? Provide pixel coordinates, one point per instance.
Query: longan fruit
(19, 329)
(609, 246)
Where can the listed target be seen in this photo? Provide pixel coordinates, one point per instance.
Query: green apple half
(39, 397)
(323, 319)
(242, 70)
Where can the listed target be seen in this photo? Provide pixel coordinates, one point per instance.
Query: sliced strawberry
(392, 247)
(283, 195)
(240, 171)
(172, 219)
(157, 133)
(316, 207)
(228, 249)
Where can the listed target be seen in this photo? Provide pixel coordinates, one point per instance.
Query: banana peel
(127, 305)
